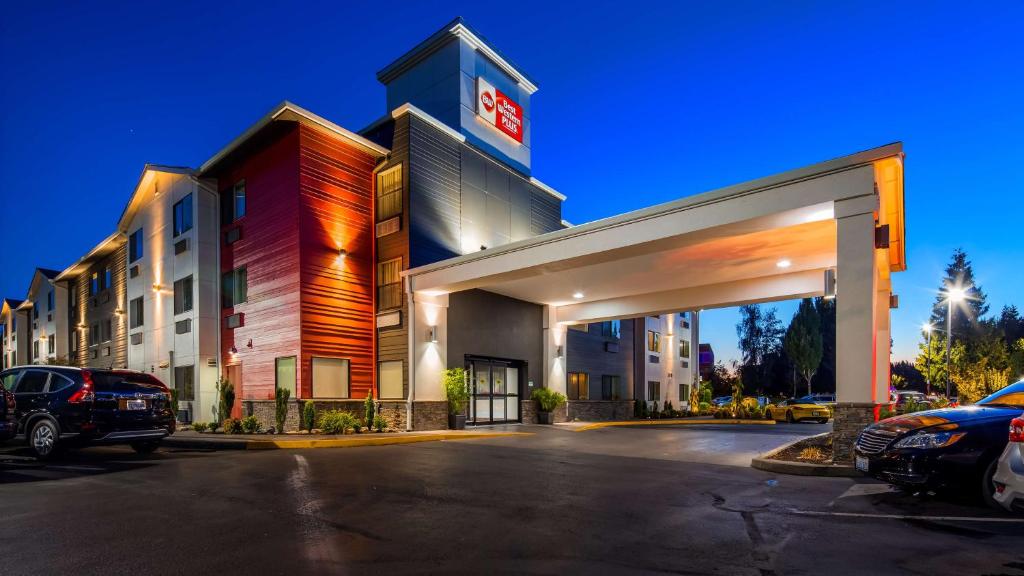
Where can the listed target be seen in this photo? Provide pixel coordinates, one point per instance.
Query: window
(35, 312)
(684, 348)
(135, 246)
(94, 335)
(185, 383)
(94, 283)
(73, 299)
(74, 341)
(106, 333)
(330, 377)
(233, 203)
(51, 344)
(235, 287)
(684, 394)
(107, 279)
(389, 284)
(580, 327)
(136, 316)
(183, 215)
(9, 379)
(389, 379)
(653, 391)
(183, 326)
(284, 375)
(684, 319)
(49, 300)
(611, 329)
(579, 385)
(653, 341)
(611, 387)
(183, 295)
(35, 350)
(389, 193)
(32, 382)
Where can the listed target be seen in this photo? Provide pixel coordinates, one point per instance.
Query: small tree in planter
(547, 401)
(281, 396)
(309, 416)
(368, 409)
(457, 393)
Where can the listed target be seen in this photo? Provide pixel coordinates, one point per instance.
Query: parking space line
(905, 516)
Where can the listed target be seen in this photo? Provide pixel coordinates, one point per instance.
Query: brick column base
(849, 419)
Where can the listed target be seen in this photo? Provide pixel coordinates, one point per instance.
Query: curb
(345, 442)
(764, 462)
(674, 422)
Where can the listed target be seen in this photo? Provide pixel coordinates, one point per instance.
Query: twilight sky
(639, 103)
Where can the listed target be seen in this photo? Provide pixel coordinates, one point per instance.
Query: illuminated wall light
(560, 352)
(432, 334)
(233, 350)
(577, 295)
(784, 263)
(342, 253)
(830, 284)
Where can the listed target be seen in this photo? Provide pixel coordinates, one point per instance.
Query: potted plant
(547, 401)
(457, 393)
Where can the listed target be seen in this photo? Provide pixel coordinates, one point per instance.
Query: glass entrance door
(494, 392)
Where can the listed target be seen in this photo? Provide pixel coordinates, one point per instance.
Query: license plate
(861, 463)
(135, 405)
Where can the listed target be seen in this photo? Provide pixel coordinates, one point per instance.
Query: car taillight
(11, 404)
(86, 393)
(1017, 430)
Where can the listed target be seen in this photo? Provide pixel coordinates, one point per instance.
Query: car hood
(943, 418)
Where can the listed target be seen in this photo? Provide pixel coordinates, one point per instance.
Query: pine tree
(803, 342)
(966, 314)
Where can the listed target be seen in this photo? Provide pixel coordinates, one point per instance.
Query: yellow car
(798, 411)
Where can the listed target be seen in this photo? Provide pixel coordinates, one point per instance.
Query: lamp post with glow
(952, 295)
(928, 358)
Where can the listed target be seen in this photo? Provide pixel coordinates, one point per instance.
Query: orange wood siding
(269, 248)
(335, 213)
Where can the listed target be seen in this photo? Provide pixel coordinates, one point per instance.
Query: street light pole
(928, 360)
(953, 295)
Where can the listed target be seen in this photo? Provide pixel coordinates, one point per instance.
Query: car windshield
(1012, 395)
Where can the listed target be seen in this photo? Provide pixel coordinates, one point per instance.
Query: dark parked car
(58, 406)
(8, 423)
(949, 448)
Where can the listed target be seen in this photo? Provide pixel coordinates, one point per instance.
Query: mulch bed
(813, 450)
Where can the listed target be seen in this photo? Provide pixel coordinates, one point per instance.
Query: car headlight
(928, 441)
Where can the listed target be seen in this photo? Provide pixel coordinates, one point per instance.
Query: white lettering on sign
(499, 110)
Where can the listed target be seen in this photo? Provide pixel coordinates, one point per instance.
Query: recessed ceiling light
(577, 295)
(784, 263)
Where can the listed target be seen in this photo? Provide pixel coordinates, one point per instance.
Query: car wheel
(988, 485)
(43, 439)
(145, 447)
(789, 417)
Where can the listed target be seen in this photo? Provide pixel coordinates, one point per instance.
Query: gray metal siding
(434, 195)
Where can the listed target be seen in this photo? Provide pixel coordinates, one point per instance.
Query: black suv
(73, 406)
(8, 424)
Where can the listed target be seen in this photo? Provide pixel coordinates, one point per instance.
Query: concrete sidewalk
(584, 426)
(195, 440)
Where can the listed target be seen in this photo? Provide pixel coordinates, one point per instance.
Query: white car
(1009, 477)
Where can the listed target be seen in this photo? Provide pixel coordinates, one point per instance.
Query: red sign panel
(499, 110)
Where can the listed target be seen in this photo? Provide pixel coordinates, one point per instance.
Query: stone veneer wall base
(849, 419)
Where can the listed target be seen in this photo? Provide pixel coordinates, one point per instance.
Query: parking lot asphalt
(610, 501)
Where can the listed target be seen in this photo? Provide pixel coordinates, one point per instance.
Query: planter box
(545, 417)
(457, 421)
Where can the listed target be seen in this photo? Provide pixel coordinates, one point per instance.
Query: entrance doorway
(493, 390)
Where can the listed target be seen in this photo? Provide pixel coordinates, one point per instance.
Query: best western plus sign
(499, 110)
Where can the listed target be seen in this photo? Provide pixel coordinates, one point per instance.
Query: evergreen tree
(803, 342)
(1010, 324)
(825, 377)
(760, 340)
(966, 314)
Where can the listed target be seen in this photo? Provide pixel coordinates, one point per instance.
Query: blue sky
(638, 104)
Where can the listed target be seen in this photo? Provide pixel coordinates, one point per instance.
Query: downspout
(412, 353)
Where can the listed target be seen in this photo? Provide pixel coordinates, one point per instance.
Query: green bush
(655, 413)
(638, 408)
(309, 415)
(704, 408)
(669, 411)
(336, 422)
(368, 408)
(455, 390)
(884, 412)
(232, 426)
(379, 424)
(250, 425)
(547, 399)
(212, 426)
(199, 426)
(281, 396)
(226, 399)
(358, 427)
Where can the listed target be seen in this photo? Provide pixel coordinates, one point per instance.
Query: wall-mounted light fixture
(432, 334)
(233, 350)
(830, 283)
(784, 263)
(118, 312)
(342, 253)
(577, 295)
(156, 287)
(559, 352)
(250, 343)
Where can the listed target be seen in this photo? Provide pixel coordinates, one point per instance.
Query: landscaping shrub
(281, 396)
(756, 413)
(336, 422)
(368, 408)
(358, 427)
(232, 426)
(250, 425)
(199, 426)
(638, 408)
(226, 399)
(455, 390)
(704, 408)
(655, 413)
(884, 412)
(212, 426)
(309, 415)
(548, 399)
(379, 424)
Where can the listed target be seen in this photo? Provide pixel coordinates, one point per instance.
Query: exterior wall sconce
(250, 343)
(233, 350)
(830, 283)
(560, 352)
(156, 287)
(342, 253)
(432, 334)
